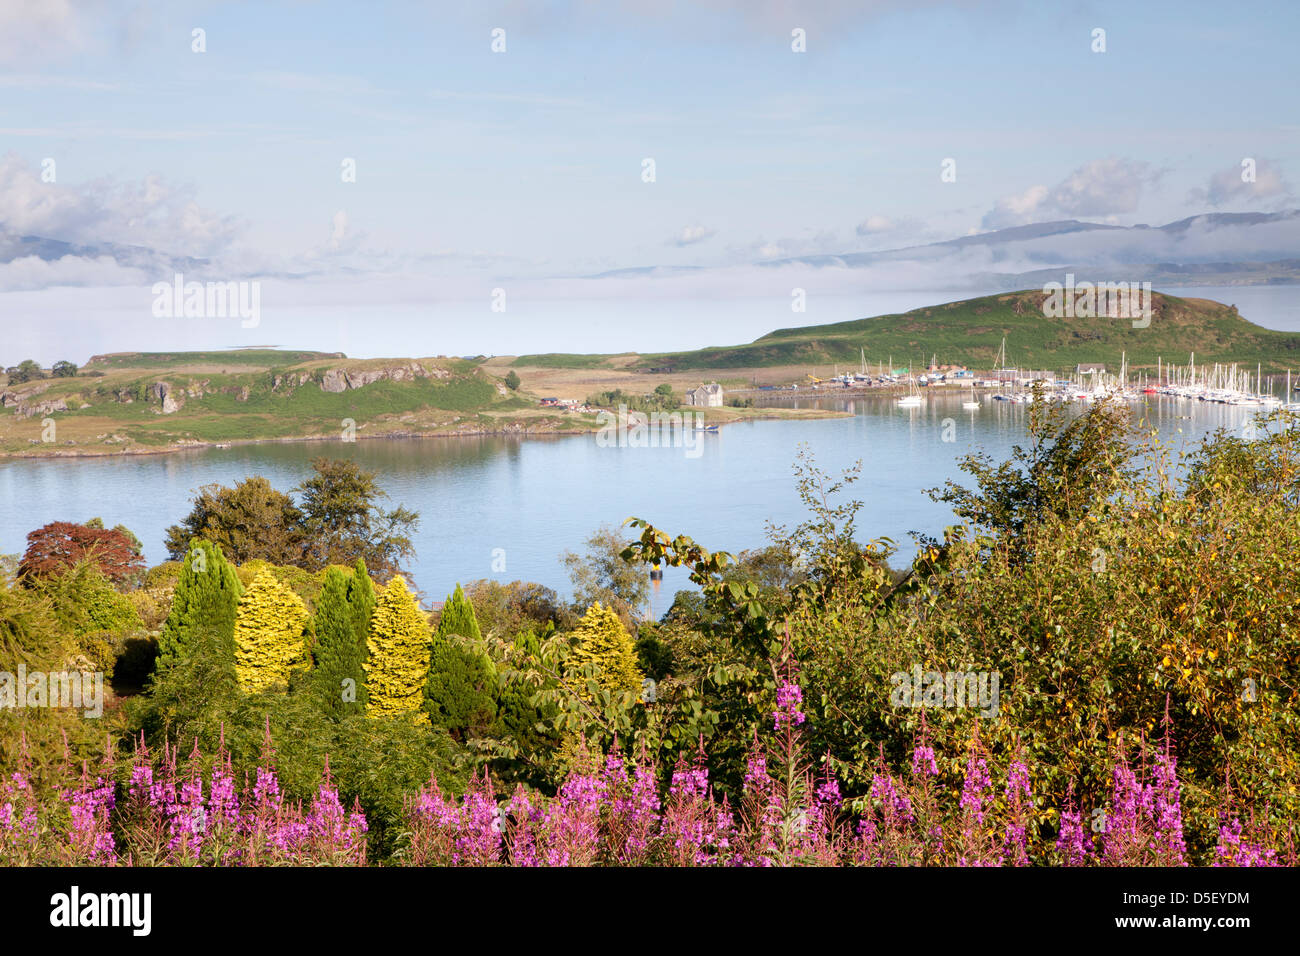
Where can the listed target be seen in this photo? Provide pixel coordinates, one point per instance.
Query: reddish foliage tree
(62, 544)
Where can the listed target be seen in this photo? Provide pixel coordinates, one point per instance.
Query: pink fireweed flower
(89, 807)
(1018, 793)
(976, 787)
(1071, 841)
(1166, 807)
(923, 762)
(572, 823)
(788, 700)
(521, 829)
(266, 791)
(19, 829)
(1233, 850)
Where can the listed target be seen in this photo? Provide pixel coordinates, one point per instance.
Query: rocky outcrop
(26, 406)
(42, 408)
(289, 381)
(168, 397)
(336, 380)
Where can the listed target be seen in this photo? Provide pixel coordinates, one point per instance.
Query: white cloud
(32, 273)
(1099, 188)
(693, 234)
(875, 224)
(150, 212)
(825, 242)
(1227, 187)
(35, 29)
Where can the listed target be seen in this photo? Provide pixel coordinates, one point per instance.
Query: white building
(706, 396)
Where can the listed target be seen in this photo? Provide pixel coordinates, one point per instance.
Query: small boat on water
(913, 398)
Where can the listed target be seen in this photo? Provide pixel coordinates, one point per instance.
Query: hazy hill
(969, 332)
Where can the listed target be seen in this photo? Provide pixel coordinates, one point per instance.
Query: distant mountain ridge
(1176, 252)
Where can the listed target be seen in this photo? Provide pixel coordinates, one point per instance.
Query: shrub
(397, 664)
(460, 690)
(61, 545)
(269, 639)
(601, 640)
(342, 613)
(206, 597)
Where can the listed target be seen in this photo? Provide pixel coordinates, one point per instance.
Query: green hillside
(969, 332)
(142, 401)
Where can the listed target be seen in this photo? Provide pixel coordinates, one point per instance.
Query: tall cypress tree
(601, 639)
(361, 598)
(460, 694)
(343, 612)
(269, 639)
(205, 603)
(398, 663)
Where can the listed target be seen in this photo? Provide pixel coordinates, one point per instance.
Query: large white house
(706, 396)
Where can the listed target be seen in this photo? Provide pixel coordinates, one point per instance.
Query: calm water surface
(536, 498)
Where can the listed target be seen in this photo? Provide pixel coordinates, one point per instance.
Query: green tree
(64, 370)
(343, 612)
(1069, 465)
(342, 521)
(269, 638)
(25, 371)
(600, 639)
(512, 380)
(251, 521)
(460, 693)
(603, 576)
(206, 599)
(397, 664)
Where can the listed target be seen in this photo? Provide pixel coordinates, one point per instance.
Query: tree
(249, 522)
(512, 380)
(602, 576)
(61, 545)
(25, 371)
(269, 639)
(600, 639)
(397, 665)
(85, 602)
(460, 692)
(342, 614)
(343, 523)
(1071, 464)
(64, 370)
(504, 609)
(205, 600)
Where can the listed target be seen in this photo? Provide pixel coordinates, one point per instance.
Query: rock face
(42, 408)
(171, 400)
(27, 407)
(336, 380)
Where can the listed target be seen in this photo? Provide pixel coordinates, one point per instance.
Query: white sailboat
(913, 398)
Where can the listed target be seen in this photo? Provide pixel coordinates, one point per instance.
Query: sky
(525, 169)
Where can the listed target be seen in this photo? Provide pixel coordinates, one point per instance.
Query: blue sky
(476, 168)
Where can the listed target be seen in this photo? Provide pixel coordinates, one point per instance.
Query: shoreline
(518, 431)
